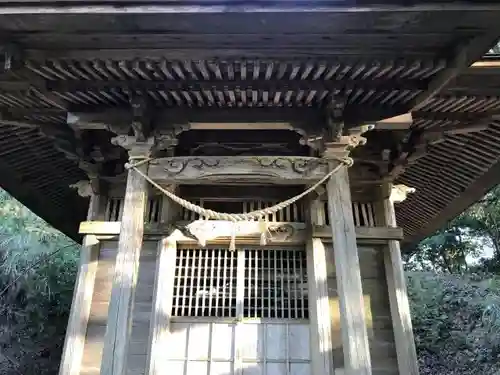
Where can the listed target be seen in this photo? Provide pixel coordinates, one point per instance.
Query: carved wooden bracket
(134, 147)
(343, 145)
(84, 188)
(141, 122)
(236, 169)
(400, 192)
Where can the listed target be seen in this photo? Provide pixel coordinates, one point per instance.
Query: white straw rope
(258, 214)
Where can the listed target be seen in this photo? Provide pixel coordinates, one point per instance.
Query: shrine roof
(250, 61)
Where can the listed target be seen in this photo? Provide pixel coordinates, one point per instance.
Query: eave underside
(381, 62)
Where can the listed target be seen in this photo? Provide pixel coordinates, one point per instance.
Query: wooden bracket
(141, 119)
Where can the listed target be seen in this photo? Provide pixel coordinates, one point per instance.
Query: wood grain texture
(96, 331)
(125, 279)
(398, 298)
(162, 302)
(352, 314)
(321, 348)
(285, 170)
(74, 341)
(377, 312)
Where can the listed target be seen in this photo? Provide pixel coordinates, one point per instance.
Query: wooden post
(352, 312)
(398, 295)
(321, 340)
(162, 306)
(72, 355)
(120, 312)
(162, 296)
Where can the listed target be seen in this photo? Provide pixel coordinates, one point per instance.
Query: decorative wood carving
(210, 230)
(400, 192)
(277, 169)
(141, 122)
(134, 147)
(344, 144)
(83, 187)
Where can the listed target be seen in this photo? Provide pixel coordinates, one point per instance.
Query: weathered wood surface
(124, 284)
(285, 232)
(321, 348)
(284, 170)
(162, 296)
(398, 297)
(377, 312)
(94, 340)
(74, 341)
(353, 320)
(162, 306)
(363, 233)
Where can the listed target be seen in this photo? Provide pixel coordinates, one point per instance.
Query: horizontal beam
(281, 232)
(400, 122)
(248, 84)
(284, 170)
(92, 117)
(211, 7)
(453, 116)
(363, 233)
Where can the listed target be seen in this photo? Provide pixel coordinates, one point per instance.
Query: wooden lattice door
(243, 312)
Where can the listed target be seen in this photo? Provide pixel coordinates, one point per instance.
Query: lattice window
(114, 209)
(273, 283)
(205, 283)
(363, 214)
(293, 213)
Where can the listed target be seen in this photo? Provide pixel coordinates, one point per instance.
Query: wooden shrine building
(187, 126)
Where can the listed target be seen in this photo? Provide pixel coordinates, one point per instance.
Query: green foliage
(447, 250)
(456, 322)
(35, 301)
(484, 220)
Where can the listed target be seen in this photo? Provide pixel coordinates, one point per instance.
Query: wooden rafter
(462, 59)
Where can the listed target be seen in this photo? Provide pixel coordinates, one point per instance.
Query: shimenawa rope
(258, 214)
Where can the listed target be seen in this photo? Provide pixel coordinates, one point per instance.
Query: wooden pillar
(162, 296)
(319, 310)
(352, 312)
(74, 341)
(398, 295)
(120, 312)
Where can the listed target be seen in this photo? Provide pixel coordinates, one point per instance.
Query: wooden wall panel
(99, 310)
(377, 310)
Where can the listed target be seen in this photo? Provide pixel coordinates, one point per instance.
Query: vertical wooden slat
(364, 212)
(162, 302)
(216, 282)
(357, 220)
(72, 355)
(352, 312)
(109, 207)
(319, 311)
(371, 215)
(114, 359)
(295, 212)
(398, 299)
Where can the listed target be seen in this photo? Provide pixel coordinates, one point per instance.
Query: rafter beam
(249, 84)
(471, 51)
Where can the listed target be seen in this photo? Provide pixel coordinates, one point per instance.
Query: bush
(456, 322)
(37, 274)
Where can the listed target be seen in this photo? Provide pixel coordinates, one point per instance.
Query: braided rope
(258, 214)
